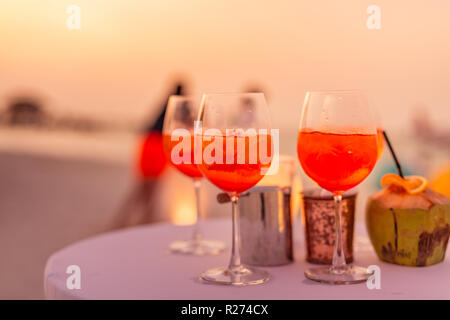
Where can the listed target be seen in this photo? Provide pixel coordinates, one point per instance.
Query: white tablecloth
(135, 264)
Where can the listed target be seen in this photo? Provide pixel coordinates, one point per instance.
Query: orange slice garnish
(411, 184)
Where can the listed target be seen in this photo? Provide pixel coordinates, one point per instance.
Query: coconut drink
(408, 223)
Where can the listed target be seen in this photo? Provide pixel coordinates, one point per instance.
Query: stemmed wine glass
(178, 127)
(236, 150)
(337, 148)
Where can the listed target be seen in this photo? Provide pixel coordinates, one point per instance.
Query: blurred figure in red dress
(151, 162)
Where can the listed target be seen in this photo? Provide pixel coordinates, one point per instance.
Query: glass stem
(338, 256)
(197, 236)
(235, 261)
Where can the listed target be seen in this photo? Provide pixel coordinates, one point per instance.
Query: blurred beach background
(74, 103)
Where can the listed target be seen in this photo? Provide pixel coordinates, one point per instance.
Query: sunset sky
(119, 63)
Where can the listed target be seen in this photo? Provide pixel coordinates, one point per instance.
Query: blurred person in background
(247, 106)
(151, 162)
(425, 130)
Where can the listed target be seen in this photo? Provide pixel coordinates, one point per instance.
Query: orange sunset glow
(124, 51)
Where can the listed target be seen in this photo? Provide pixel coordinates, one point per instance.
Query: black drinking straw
(399, 168)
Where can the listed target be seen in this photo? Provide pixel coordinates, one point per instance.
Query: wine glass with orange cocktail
(178, 142)
(236, 150)
(337, 147)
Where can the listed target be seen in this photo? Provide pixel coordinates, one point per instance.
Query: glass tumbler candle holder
(319, 221)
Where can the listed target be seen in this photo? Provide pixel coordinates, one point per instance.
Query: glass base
(197, 248)
(242, 276)
(345, 275)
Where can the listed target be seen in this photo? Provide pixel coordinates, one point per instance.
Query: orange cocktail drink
(188, 168)
(337, 161)
(238, 163)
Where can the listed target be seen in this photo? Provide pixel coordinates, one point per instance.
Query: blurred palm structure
(25, 109)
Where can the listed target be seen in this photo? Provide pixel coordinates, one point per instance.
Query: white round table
(135, 264)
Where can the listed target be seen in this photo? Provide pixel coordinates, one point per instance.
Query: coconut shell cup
(410, 230)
